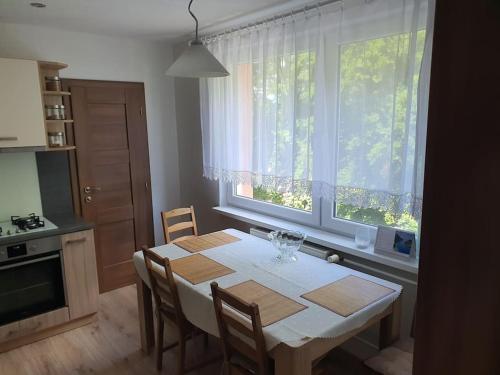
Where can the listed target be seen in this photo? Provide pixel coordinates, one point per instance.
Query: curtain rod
(291, 13)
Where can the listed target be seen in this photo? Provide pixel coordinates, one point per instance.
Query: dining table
(297, 340)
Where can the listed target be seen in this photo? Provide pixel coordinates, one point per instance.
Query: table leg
(146, 322)
(390, 326)
(292, 361)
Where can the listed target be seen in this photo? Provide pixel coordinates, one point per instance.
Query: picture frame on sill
(395, 243)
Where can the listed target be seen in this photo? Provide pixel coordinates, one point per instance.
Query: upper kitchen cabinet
(32, 105)
(21, 105)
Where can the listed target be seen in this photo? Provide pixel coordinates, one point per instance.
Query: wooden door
(458, 304)
(112, 180)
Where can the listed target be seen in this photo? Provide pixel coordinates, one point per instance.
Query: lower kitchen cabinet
(80, 273)
(79, 276)
(34, 324)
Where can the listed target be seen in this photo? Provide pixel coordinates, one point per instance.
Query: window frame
(312, 218)
(320, 217)
(342, 226)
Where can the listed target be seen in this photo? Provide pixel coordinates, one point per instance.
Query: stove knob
(8, 232)
(18, 231)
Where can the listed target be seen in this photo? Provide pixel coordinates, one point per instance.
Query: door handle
(8, 138)
(76, 240)
(90, 189)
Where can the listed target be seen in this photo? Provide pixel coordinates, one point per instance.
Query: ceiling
(148, 19)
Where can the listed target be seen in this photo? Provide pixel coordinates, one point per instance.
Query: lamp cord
(195, 19)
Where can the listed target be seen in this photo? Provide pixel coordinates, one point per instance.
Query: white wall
(107, 58)
(19, 189)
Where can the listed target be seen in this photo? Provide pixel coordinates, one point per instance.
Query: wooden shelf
(61, 148)
(57, 93)
(49, 69)
(51, 65)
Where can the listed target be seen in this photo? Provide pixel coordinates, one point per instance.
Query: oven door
(31, 286)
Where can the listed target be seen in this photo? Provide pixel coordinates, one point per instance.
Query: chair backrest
(169, 229)
(163, 286)
(237, 335)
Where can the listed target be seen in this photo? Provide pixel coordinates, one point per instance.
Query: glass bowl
(287, 242)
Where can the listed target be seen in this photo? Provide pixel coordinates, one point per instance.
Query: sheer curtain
(257, 124)
(324, 102)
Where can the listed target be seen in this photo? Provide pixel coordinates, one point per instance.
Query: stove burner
(25, 223)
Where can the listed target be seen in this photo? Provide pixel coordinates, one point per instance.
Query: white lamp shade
(196, 62)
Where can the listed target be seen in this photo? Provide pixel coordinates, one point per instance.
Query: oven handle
(29, 262)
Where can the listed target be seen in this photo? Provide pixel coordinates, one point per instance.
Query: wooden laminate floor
(111, 346)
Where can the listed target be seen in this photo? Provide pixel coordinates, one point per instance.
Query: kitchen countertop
(65, 224)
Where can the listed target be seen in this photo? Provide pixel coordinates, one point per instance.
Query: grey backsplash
(55, 183)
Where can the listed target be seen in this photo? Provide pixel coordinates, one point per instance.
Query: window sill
(319, 237)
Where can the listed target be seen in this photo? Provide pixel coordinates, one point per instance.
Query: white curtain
(257, 124)
(324, 102)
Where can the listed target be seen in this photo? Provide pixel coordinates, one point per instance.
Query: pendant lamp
(196, 61)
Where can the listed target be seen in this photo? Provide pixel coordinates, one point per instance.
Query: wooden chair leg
(181, 357)
(159, 343)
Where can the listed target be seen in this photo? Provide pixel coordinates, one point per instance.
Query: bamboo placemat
(273, 306)
(207, 241)
(198, 268)
(347, 295)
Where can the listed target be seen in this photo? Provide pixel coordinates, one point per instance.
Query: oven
(31, 279)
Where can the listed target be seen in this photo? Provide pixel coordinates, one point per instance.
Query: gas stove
(22, 225)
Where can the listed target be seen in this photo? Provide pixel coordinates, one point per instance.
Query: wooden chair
(249, 345)
(168, 306)
(169, 229)
(243, 343)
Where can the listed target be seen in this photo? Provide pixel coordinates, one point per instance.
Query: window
(320, 121)
(292, 199)
(367, 69)
(270, 90)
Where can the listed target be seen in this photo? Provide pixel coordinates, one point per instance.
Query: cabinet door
(22, 115)
(80, 272)
(34, 324)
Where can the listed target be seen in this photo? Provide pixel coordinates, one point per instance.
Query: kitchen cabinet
(22, 121)
(24, 100)
(81, 290)
(61, 123)
(33, 325)
(80, 273)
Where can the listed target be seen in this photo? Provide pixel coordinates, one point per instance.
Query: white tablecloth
(251, 258)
